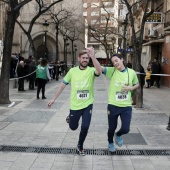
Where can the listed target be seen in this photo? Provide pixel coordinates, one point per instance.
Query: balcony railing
(167, 19)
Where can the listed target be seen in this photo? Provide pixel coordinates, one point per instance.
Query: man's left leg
(86, 119)
(125, 117)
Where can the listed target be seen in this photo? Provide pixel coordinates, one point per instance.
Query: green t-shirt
(117, 80)
(41, 72)
(82, 87)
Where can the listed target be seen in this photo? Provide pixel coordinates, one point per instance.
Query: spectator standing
(32, 74)
(156, 69)
(21, 74)
(42, 74)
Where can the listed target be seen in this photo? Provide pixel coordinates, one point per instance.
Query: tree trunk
(6, 60)
(32, 46)
(139, 97)
(57, 51)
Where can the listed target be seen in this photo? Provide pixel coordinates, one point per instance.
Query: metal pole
(45, 44)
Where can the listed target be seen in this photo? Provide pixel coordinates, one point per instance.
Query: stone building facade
(20, 41)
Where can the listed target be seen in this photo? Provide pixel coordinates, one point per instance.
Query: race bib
(121, 96)
(82, 94)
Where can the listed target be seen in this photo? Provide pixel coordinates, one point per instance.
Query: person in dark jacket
(156, 69)
(21, 74)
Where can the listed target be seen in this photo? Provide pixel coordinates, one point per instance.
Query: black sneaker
(68, 119)
(80, 150)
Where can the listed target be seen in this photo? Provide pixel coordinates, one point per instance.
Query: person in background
(123, 81)
(42, 74)
(32, 74)
(129, 64)
(21, 73)
(81, 79)
(156, 69)
(148, 77)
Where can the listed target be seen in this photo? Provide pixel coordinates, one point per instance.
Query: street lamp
(45, 29)
(75, 49)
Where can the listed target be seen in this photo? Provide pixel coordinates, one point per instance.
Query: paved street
(33, 137)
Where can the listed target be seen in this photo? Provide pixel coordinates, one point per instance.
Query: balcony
(167, 21)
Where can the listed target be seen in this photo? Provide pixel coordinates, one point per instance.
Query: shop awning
(154, 42)
(100, 54)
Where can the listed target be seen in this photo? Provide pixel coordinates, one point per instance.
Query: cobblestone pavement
(28, 130)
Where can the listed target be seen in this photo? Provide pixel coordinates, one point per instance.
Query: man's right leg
(86, 119)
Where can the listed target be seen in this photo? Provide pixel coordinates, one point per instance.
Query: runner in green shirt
(81, 79)
(122, 82)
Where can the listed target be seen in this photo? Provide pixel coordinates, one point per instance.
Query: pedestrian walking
(81, 79)
(122, 82)
(42, 75)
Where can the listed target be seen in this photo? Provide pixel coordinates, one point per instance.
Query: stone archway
(42, 52)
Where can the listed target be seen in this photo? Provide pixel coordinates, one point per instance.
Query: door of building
(42, 52)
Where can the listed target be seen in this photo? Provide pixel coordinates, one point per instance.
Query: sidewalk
(33, 137)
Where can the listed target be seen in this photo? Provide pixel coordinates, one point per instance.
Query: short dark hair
(120, 56)
(82, 52)
(117, 55)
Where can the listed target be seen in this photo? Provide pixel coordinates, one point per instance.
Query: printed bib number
(82, 94)
(121, 96)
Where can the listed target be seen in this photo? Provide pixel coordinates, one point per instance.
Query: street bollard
(168, 127)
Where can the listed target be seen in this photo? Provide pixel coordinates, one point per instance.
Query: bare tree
(14, 7)
(107, 30)
(12, 15)
(58, 17)
(72, 28)
(42, 8)
(138, 41)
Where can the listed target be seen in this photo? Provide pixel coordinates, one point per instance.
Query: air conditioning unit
(152, 33)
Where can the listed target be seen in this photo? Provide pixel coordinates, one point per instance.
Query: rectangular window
(107, 10)
(94, 5)
(85, 14)
(94, 22)
(85, 5)
(95, 13)
(107, 3)
(92, 39)
(103, 19)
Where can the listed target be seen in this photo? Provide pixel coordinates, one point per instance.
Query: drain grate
(156, 152)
